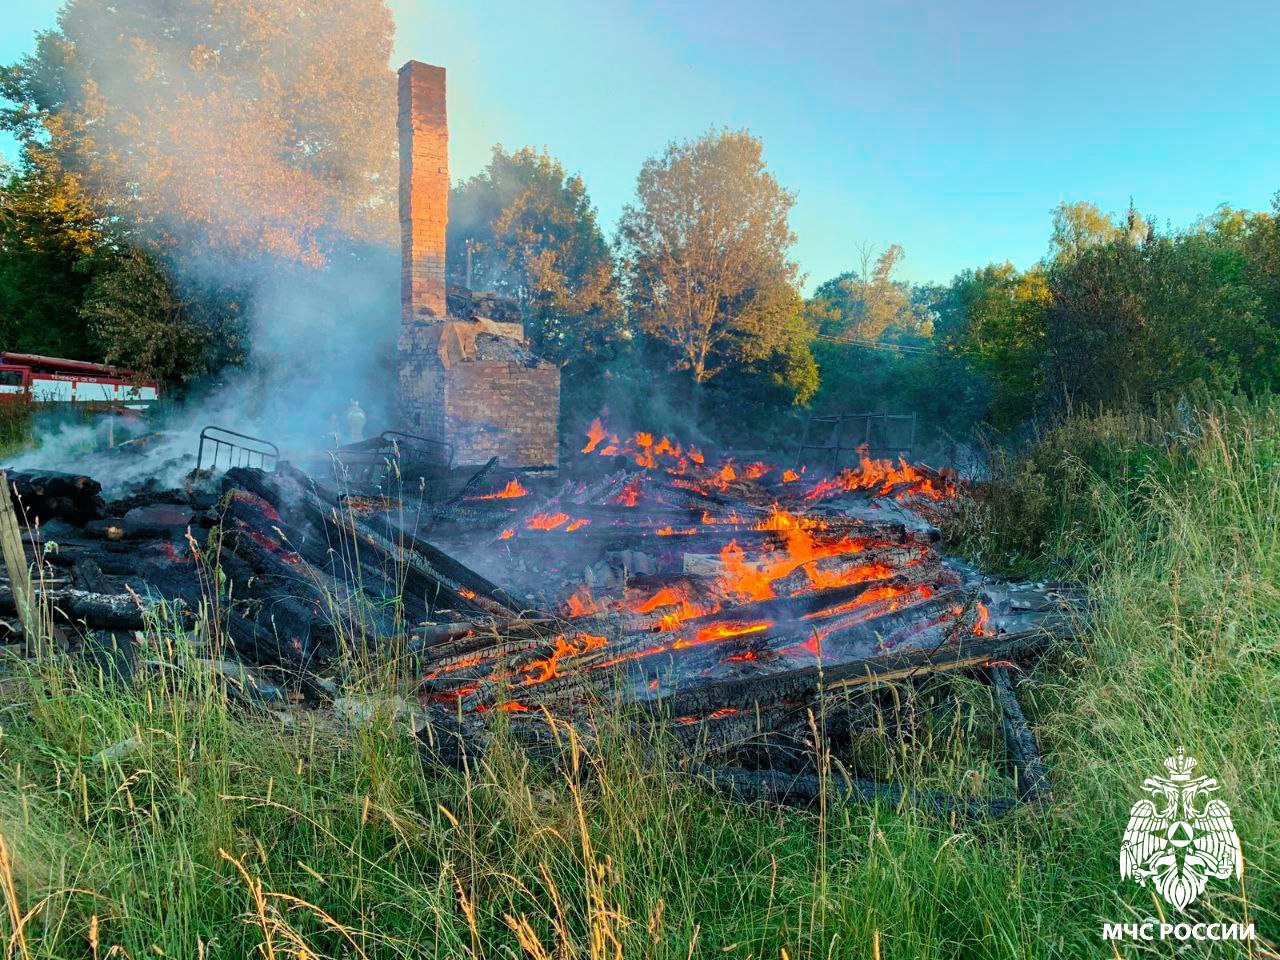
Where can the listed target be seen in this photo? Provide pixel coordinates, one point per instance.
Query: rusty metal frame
(241, 451)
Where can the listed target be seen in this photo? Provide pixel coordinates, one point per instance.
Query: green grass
(229, 834)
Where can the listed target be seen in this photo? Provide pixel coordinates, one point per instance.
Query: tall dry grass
(164, 818)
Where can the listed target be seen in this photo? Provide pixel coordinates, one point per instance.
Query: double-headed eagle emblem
(1175, 842)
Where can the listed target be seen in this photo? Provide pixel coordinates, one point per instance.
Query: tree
(1134, 323)
(234, 127)
(1077, 227)
(866, 302)
(46, 230)
(524, 228)
(143, 320)
(994, 318)
(706, 247)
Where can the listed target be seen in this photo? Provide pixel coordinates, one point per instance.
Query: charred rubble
(726, 603)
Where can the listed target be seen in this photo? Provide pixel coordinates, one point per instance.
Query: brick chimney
(472, 381)
(424, 191)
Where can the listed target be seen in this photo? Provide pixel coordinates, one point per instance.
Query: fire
(790, 476)
(506, 534)
(629, 495)
(673, 531)
(723, 631)
(921, 592)
(595, 433)
(577, 525)
(753, 580)
(513, 489)
(784, 520)
(881, 477)
(982, 624)
(542, 670)
(666, 597)
(582, 603)
(546, 521)
(824, 580)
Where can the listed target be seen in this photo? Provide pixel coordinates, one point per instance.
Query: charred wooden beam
(1024, 752)
(64, 496)
(96, 610)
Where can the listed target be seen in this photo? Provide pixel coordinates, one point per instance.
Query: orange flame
(542, 670)
(983, 623)
(723, 631)
(595, 433)
(582, 603)
(546, 521)
(512, 490)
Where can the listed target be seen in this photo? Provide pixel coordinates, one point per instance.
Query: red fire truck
(53, 379)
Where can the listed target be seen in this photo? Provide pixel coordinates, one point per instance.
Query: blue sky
(949, 127)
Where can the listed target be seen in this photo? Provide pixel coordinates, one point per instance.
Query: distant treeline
(160, 177)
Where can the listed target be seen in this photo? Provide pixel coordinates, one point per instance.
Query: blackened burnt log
(1024, 752)
(63, 496)
(96, 610)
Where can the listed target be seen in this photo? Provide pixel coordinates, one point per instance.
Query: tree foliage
(865, 303)
(532, 234)
(706, 248)
(46, 230)
(994, 318)
(142, 320)
(240, 126)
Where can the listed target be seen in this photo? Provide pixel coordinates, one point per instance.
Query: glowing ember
(629, 495)
(506, 534)
(723, 631)
(921, 592)
(576, 525)
(546, 521)
(540, 671)
(512, 490)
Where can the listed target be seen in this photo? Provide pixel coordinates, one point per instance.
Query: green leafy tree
(239, 127)
(46, 231)
(866, 303)
(994, 319)
(524, 228)
(1134, 323)
(143, 321)
(706, 248)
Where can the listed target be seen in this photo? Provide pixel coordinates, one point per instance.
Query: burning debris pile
(724, 599)
(719, 600)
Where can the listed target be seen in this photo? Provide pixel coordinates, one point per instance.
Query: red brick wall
(424, 190)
